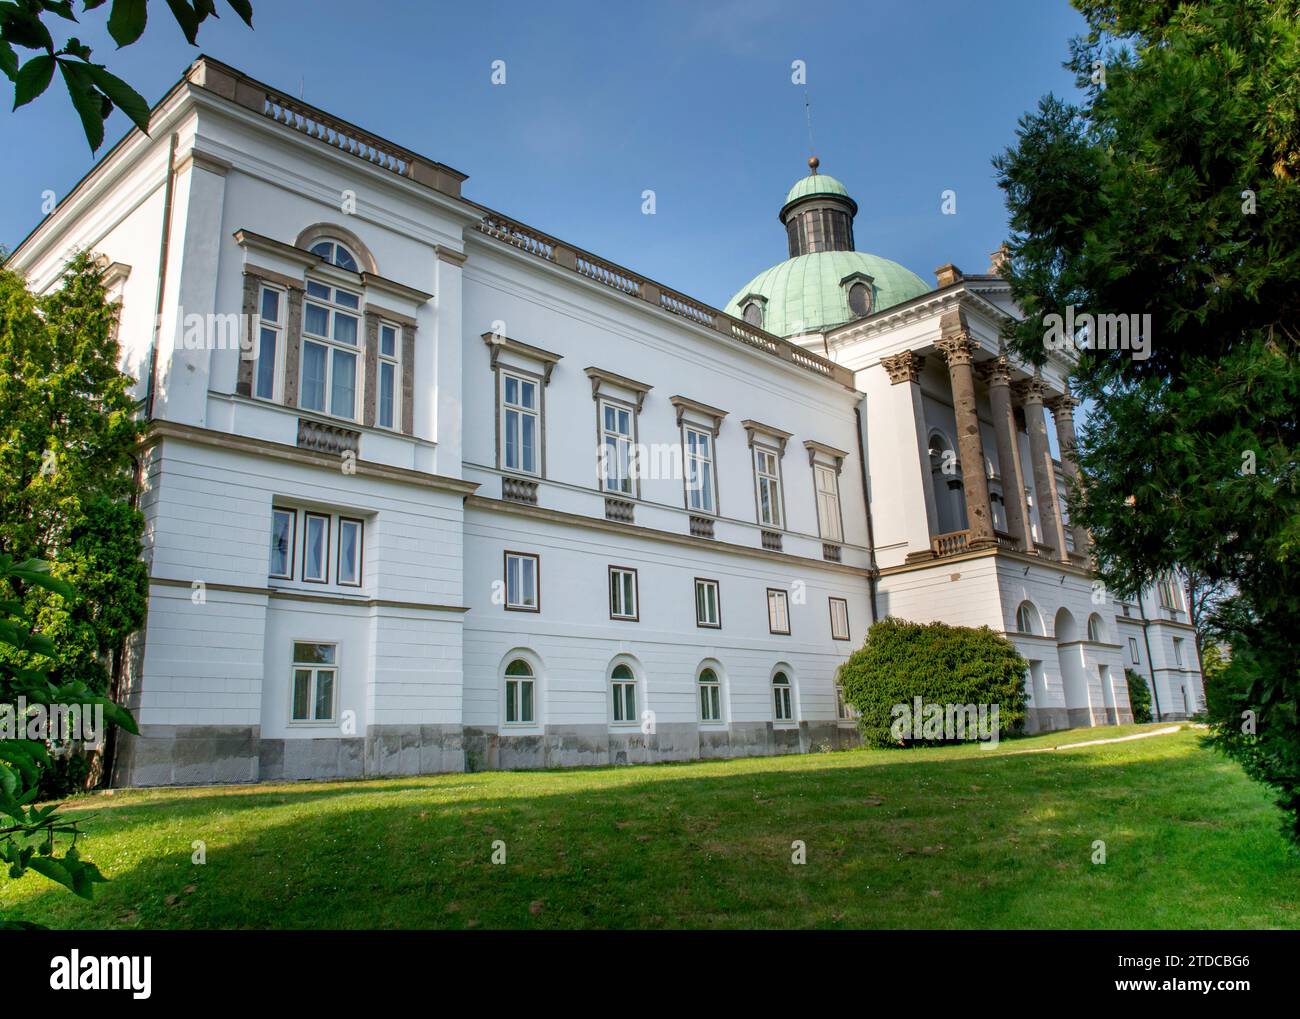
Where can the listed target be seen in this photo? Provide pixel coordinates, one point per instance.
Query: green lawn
(954, 837)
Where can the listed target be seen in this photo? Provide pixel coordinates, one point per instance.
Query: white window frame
(783, 707)
(623, 589)
(520, 411)
(700, 499)
(768, 480)
(839, 632)
(276, 327)
(781, 602)
(830, 521)
(623, 445)
(1133, 651)
(332, 257)
(293, 542)
(710, 692)
(1178, 651)
(315, 670)
(393, 362)
(361, 552)
(307, 517)
(618, 688)
(515, 701)
(701, 620)
(523, 605)
(333, 308)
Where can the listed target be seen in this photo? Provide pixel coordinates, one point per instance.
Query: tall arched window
(710, 696)
(622, 682)
(1027, 619)
(521, 699)
(1096, 630)
(945, 480)
(782, 698)
(336, 254)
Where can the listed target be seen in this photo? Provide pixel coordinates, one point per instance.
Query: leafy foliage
(939, 663)
(67, 466)
(1173, 189)
(32, 835)
(94, 90)
(1139, 696)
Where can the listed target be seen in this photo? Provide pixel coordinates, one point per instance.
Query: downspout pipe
(1151, 662)
(866, 501)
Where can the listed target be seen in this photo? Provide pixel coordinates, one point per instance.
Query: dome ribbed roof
(806, 294)
(816, 184)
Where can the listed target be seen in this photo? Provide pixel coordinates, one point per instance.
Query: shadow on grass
(992, 841)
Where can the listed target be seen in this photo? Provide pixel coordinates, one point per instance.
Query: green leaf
(8, 60)
(86, 101)
(32, 79)
(37, 571)
(126, 21)
(244, 9)
(187, 18)
(124, 97)
(55, 871)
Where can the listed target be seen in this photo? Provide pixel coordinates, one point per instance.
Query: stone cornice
(587, 523)
(160, 430)
(685, 405)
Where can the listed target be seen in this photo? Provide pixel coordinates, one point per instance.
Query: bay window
(330, 324)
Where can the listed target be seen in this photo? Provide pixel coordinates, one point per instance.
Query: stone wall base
(211, 755)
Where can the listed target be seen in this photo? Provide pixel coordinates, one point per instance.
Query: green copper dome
(807, 294)
(816, 184)
(825, 282)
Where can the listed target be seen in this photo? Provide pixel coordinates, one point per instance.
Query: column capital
(957, 348)
(996, 372)
(1030, 390)
(903, 367)
(1062, 406)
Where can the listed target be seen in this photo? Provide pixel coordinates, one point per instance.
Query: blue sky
(691, 100)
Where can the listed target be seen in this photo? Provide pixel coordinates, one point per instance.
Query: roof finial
(813, 163)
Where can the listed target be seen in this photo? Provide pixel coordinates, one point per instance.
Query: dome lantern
(818, 214)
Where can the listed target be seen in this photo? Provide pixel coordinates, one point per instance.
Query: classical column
(1062, 408)
(959, 351)
(897, 446)
(1049, 511)
(998, 375)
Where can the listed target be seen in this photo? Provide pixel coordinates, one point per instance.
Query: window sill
(325, 724)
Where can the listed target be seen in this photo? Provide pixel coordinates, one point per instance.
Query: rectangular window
(523, 584)
(315, 548)
(520, 424)
(710, 697)
(315, 679)
(782, 698)
(329, 351)
(615, 448)
(270, 325)
(839, 619)
(283, 523)
(623, 688)
(350, 547)
(778, 611)
(1133, 651)
(387, 411)
(1168, 593)
(708, 608)
(828, 502)
(519, 696)
(699, 470)
(1178, 651)
(622, 593)
(767, 475)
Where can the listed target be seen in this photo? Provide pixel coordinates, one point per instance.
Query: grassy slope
(954, 837)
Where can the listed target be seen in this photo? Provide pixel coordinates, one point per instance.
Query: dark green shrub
(942, 665)
(1139, 696)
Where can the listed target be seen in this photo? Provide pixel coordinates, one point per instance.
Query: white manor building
(429, 490)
